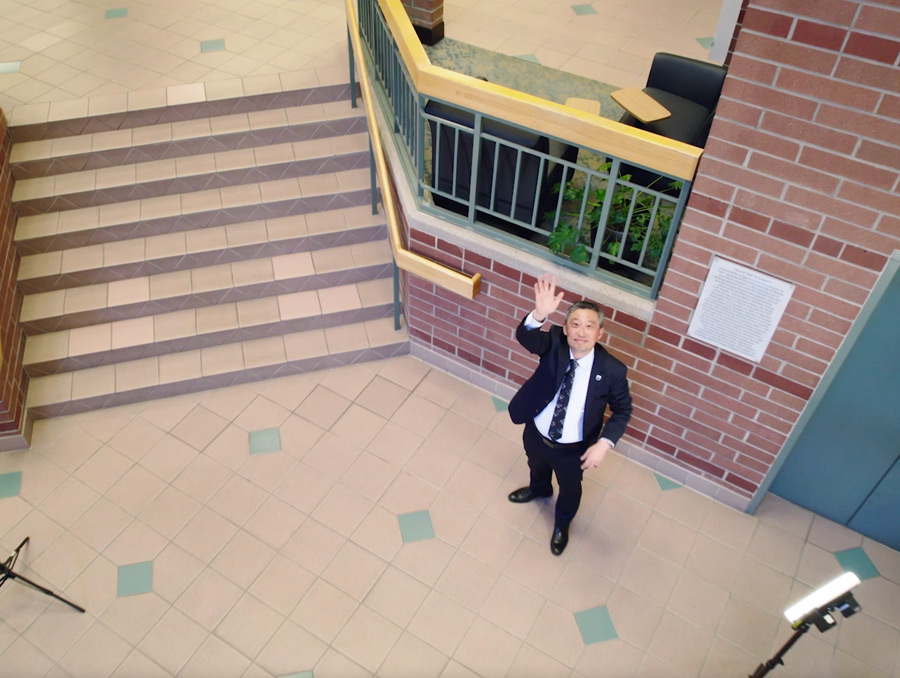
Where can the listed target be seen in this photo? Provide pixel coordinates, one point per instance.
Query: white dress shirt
(573, 425)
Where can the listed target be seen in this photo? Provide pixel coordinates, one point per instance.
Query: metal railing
(599, 197)
(404, 259)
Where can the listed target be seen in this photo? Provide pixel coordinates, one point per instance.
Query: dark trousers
(546, 458)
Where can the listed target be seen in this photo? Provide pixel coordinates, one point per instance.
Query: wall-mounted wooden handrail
(633, 145)
(434, 272)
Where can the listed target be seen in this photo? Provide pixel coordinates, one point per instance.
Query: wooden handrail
(411, 262)
(660, 154)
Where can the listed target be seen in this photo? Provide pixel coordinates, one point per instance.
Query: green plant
(573, 235)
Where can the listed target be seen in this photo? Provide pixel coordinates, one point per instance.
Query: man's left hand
(593, 456)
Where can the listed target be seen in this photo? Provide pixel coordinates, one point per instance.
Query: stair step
(183, 138)
(213, 367)
(189, 174)
(135, 257)
(218, 284)
(195, 328)
(186, 211)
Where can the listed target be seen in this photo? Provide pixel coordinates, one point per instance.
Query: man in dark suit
(563, 403)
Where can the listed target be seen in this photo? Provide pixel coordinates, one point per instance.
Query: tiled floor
(354, 522)
(62, 51)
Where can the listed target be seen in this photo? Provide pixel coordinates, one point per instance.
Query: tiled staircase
(193, 247)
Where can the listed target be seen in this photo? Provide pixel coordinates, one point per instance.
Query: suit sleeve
(619, 407)
(534, 340)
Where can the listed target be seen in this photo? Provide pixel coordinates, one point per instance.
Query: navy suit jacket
(608, 384)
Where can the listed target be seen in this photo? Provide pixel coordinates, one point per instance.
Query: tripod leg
(25, 580)
(6, 572)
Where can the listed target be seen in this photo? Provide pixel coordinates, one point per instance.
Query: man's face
(582, 330)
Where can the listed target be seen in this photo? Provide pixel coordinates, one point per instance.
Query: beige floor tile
(134, 332)
(369, 476)
(776, 548)
(173, 640)
(81, 259)
(252, 272)
(667, 538)
(418, 415)
(168, 457)
(324, 610)
(296, 265)
(488, 649)
(831, 536)
(249, 625)
(125, 292)
(761, 585)
(137, 374)
(274, 522)
(729, 526)
(556, 632)
(90, 339)
(134, 616)
(243, 559)
(169, 512)
(282, 584)
(342, 510)
(334, 259)
(206, 239)
(219, 318)
(104, 468)
(86, 298)
(221, 359)
(441, 623)
(98, 650)
(650, 576)
(289, 647)
(467, 580)
(748, 627)
(124, 252)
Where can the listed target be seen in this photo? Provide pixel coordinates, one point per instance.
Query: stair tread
(193, 242)
(61, 147)
(170, 169)
(180, 204)
(193, 281)
(194, 322)
(157, 371)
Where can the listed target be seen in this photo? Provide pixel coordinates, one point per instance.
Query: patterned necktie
(559, 412)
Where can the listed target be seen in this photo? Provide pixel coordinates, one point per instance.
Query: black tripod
(6, 572)
(765, 667)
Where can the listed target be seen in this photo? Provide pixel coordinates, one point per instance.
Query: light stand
(6, 572)
(816, 609)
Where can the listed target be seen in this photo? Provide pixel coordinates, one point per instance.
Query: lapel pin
(598, 377)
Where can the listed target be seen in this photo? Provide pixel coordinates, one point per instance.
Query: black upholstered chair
(690, 90)
(451, 157)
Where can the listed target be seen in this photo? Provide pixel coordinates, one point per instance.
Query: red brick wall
(12, 341)
(425, 13)
(799, 180)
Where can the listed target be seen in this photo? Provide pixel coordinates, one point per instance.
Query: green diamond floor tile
(529, 57)
(134, 579)
(212, 45)
(856, 561)
(118, 13)
(10, 66)
(705, 43)
(10, 484)
(595, 625)
(302, 674)
(583, 9)
(666, 484)
(415, 526)
(499, 405)
(265, 440)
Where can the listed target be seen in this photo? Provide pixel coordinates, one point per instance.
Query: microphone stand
(6, 572)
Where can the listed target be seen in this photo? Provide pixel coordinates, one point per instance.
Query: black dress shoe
(559, 540)
(525, 494)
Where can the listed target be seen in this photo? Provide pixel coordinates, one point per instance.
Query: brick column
(427, 17)
(12, 339)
